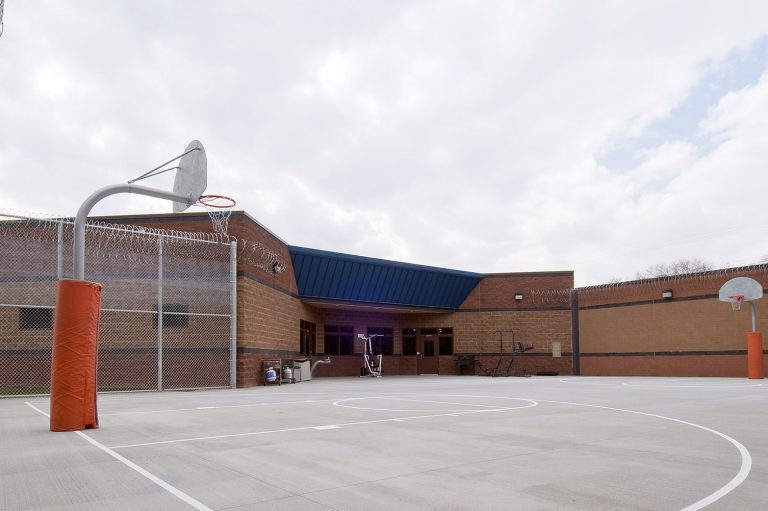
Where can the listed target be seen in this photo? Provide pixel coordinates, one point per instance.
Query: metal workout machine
(371, 363)
(517, 347)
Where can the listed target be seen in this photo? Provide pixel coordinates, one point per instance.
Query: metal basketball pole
(90, 202)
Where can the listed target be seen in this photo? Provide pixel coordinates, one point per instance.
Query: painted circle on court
(740, 477)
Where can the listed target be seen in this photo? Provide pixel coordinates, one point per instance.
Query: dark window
(383, 345)
(446, 345)
(34, 317)
(339, 340)
(409, 341)
(175, 315)
(446, 340)
(308, 336)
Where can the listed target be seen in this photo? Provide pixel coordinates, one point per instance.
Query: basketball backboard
(191, 176)
(745, 287)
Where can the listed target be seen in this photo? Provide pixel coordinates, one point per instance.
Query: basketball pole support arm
(90, 202)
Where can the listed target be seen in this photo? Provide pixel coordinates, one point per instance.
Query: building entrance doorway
(427, 360)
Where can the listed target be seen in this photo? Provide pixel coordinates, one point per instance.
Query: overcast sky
(599, 137)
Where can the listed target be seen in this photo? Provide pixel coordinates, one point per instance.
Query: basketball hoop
(736, 303)
(746, 289)
(219, 208)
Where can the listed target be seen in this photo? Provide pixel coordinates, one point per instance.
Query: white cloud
(453, 134)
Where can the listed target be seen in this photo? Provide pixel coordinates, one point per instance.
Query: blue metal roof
(333, 276)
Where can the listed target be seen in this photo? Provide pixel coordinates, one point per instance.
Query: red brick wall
(540, 290)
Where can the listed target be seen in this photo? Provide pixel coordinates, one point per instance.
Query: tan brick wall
(476, 332)
(267, 319)
(628, 329)
(690, 325)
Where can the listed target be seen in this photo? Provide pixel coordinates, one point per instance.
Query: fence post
(576, 350)
(160, 313)
(60, 251)
(233, 314)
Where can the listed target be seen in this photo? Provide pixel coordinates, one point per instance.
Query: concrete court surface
(404, 443)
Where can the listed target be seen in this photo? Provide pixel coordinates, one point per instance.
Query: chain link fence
(167, 304)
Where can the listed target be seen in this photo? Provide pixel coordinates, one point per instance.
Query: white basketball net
(736, 303)
(219, 209)
(219, 218)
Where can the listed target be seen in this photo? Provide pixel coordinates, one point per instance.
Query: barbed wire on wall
(27, 225)
(139, 243)
(704, 281)
(550, 296)
(259, 255)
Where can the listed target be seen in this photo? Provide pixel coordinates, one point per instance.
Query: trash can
(301, 370)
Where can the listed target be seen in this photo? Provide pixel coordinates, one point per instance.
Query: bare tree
(678, 267)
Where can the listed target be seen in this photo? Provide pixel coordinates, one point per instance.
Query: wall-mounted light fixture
(666, 294)
(518, 296)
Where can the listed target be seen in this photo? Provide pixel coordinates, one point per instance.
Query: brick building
(312, 304)
(313, 308)
(302, 303)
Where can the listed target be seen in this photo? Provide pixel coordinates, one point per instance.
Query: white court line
(663, 384)
(222, 407)
(164, 485)
(319, 427)
(445, 412)
(435, 402)
(741, 476)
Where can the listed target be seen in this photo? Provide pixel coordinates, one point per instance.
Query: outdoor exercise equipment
(371, 363)
(517, 347)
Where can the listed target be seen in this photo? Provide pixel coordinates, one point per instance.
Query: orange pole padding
(755, 369)
(75, 356)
